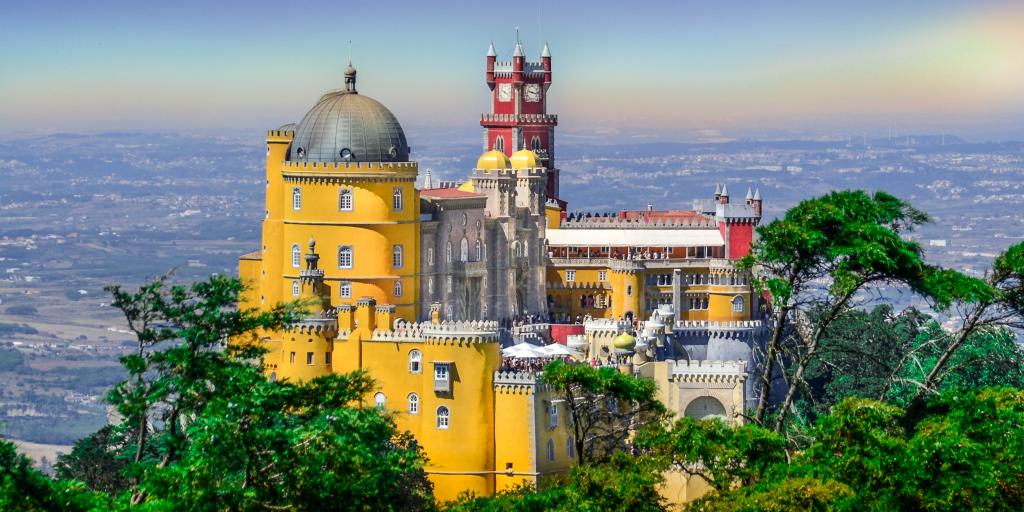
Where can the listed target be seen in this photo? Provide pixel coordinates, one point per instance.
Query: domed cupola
(345, 126)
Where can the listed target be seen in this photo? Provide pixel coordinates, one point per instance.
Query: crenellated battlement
(611, 221)
(511, 119)
(279, 135)
(708, 371)
(606, 324)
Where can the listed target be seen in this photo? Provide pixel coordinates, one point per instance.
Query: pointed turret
(350, 78)
(518, 62)
(724, 197)
(750, 195)
(545, 52)
(545, 62)
(490, 50)
(718, 191)
(756, 203)
(492, 57)
(519, 50)
(428, 180)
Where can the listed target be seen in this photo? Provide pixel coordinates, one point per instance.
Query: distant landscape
(80, 212)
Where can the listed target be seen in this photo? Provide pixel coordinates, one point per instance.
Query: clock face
(532, 93)
(505, 92)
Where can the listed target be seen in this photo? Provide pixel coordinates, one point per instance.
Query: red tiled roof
(659, 215)
(448, 193)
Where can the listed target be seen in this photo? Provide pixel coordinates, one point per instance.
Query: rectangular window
(309, 358)
(345, 289)
(442, 380)
(296, 198)
(296, 288)
(291, 358)
(345, 200)
(397, 199)
(602, 276)
(327, 358)
(570, 276)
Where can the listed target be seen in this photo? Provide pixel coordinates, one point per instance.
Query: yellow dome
(493, 160)
(624, 342)
(525, 159)
(468, 186)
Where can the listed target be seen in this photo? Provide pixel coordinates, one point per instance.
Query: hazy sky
(632, 67)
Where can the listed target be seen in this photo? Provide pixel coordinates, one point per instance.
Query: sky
(622, 69)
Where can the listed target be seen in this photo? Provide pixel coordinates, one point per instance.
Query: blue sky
(630, 68)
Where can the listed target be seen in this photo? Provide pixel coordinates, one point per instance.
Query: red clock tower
(519, 118)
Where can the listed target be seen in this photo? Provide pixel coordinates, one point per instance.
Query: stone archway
(705, 407)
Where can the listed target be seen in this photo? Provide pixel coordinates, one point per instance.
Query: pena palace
(449, 294)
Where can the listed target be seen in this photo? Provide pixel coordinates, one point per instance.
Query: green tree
(623, 483)
(96, 461)
(24, 489)
(605, 407)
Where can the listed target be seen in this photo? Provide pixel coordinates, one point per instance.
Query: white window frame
(398, 288)
(296, 198)
(397, 199)
(430, 256)
(346, 199)
(397, 256)
(380, 400)
(415, 361)
(444, 417)
(413, 401)
(345, 289)
(296, 256)
(344, 250)
(296, 288)
(464, 250)
(570, 276)
(602, 276)
(738, 301)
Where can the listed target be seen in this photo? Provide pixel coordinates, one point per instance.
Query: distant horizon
(640, 69)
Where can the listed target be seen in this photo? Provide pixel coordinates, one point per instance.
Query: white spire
(750, 193)
(428, 180)
(725, 190)
(718, 189)
(519, 50)
(546, 52)
(757, 195)
(490, 50)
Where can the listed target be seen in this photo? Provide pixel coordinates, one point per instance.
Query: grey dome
(346, 121)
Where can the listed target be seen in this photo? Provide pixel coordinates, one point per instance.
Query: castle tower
(518, 118)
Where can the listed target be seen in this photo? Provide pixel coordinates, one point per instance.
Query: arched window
(479, 250)
(705, 407)
(414, 403)
(396, 199)
(345, 256)
(430, 256)
(296, 198)
(535, 143)
(737, 304)
(443, 417)
(447, 311)
(296, 256)
(448, 252)
(526, 249)
(345, 199)
(380, 401)
(464, 250)
(345, 289)
(430, 286)
(499, 143)
(397, 259)
(398, 288)
(551, 450)
(295, 288)
(570, 447)
(415, 361)
(448, 285)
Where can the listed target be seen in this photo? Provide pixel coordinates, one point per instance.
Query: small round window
(393, 152)
(301, 152)
(346, 154)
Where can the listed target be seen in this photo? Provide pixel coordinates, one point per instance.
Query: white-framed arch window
(296, 198)
(464, 250)
(443, 418)
(414, 403)
(737, 304)
(296, 288)
(415, 361)
(296, 256)
(380, 401)
(479, 250)
(448, 252)
(499, 143)
(345, 200)
(397, 201)
(345, 256)
(397, 256)
(398, 288)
